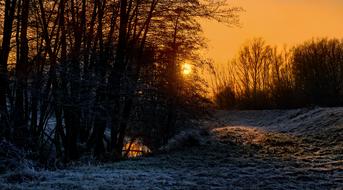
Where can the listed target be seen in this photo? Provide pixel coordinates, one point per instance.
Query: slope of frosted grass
(245, 150)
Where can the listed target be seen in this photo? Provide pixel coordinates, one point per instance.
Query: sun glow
(186, 69)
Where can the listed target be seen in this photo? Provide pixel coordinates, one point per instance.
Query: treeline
(82, 77)
(264, 77)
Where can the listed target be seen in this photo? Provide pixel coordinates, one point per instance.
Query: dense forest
(262, 76)
(85, 77)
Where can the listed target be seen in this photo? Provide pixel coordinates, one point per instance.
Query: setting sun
(186, 69)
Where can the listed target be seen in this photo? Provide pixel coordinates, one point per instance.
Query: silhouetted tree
(308, 74)
(85, 73)
(9, 12)
(317, 68)
(253, 64)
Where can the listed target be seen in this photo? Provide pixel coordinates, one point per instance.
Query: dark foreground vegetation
(85, 77)
(262, 76)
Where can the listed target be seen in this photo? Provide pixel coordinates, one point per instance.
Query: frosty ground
(273, 149)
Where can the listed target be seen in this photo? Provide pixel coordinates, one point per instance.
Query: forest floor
(273, 149)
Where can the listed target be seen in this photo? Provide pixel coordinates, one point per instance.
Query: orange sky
(278, 21)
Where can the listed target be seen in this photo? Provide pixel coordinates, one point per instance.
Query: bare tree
(317, 67)
(10, 7)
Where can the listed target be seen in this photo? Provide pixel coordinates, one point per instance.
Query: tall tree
(10, 7)
(21, 114)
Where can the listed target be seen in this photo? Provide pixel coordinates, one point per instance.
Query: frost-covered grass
(294, 149)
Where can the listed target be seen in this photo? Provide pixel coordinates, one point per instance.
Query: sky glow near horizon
(279, 22)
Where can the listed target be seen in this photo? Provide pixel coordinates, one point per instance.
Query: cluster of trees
(83, 76)
(261, 76)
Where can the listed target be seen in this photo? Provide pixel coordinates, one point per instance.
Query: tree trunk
(4, 53)
(117, 72)
(21, 68)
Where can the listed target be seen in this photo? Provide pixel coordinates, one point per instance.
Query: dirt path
(241, 152)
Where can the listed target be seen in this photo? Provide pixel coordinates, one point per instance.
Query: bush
(184, 139)
(12, 158)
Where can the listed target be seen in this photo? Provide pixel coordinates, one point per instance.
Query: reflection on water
(135, 148)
